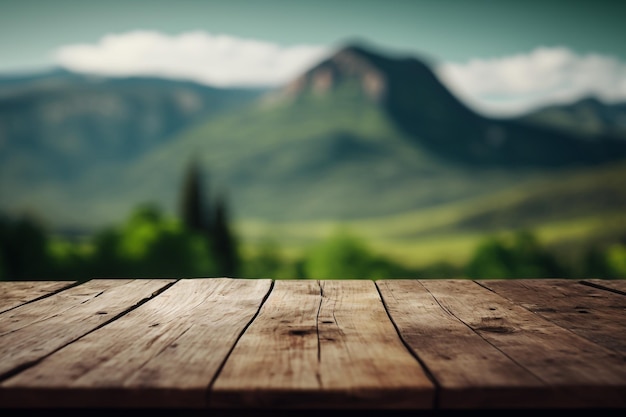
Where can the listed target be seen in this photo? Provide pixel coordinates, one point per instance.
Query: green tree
(267, 262)
(106, 260)
(2, 273)
(151, 245)
(223, 239)
(192, 204)
(518, 257)
(594, 263)
(213, 222)
(23, 245)
(615, 261)
(69, 260)
(345, 256)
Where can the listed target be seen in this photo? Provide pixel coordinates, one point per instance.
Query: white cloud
(514, 84)
(500, 86)
(218, 60)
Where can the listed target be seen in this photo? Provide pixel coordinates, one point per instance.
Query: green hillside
(57, 127)
(569, 211)
(317, 157)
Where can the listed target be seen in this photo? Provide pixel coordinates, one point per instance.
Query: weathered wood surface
(618, 286)
(30, 332)
(322, 344)
(245, 344)
(164, 353)
(576, 372)
(470, 371)
(553, 300)
(15, 293)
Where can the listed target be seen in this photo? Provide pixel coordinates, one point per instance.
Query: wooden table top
(222, 344)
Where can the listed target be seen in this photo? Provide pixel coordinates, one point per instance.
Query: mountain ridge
(421, 105)
(588, 117)
(358, 135)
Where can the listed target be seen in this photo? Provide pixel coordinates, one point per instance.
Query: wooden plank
(470, 372)
(277, 352)
(15, 293)
(362, 354)
(322, 345)
(32, 331)
(163, 354)
(572, 305)
(617, 285)
(579, 372)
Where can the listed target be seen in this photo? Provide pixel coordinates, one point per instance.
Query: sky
(501, 57)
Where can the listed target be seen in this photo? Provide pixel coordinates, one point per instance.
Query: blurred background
(328, 139)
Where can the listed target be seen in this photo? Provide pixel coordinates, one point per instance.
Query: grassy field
(568, 212)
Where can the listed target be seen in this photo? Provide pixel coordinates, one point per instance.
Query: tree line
(200, 242)
(344, 255)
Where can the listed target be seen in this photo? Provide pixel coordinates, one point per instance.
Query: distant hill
(357, 136)
(58, 125)
(588, 118)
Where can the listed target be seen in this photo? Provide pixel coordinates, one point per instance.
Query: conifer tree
(224, 242)
(192, 204)
(211, 221)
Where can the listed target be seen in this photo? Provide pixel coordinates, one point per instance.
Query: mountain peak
(354, 48)
(351, 62)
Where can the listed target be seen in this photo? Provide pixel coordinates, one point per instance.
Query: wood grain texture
(322, 345)
(239, 346)
(470, 372)
(572, 305)
(361, 353)
(34, 330)
(277, 354)
(618, 285)
(580, 372)
(163, 354)
(15, 293)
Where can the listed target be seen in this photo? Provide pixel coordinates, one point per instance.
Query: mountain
(57, 125)
(419, 104)
(359, 135)
(588, 118)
